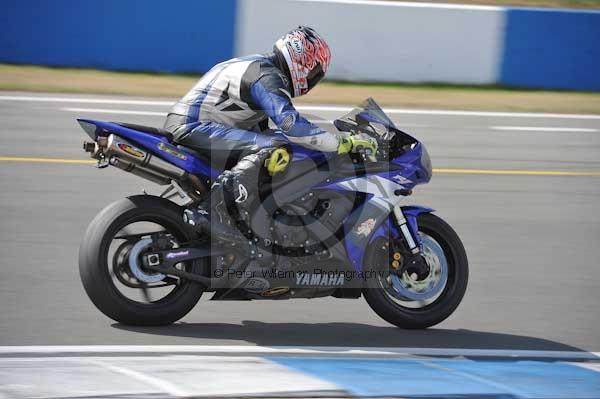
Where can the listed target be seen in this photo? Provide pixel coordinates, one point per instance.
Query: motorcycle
(328, 225)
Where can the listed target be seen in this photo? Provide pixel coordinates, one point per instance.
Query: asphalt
(532, 241)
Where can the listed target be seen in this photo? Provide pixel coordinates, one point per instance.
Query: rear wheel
(413, 302)
(111, 269)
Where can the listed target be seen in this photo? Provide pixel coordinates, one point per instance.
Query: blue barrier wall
(146, 35)
(551, 49)
(531, 48)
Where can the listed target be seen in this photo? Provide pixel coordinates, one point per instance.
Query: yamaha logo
(320, 279)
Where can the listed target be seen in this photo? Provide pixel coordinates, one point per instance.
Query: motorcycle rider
(227, 111)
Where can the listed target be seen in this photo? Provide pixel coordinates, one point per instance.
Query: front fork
(406, 220)
(412, 238)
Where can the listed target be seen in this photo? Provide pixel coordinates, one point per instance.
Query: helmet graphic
(307, 57)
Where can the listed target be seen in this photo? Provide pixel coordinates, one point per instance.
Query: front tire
(415, 317)
(97, 273)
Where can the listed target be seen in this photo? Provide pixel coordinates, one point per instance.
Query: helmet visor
(315, 76)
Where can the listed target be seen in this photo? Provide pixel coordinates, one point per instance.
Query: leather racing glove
(358, 143)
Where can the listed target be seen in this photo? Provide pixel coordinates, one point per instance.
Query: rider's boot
(229, 202)
(212, 217)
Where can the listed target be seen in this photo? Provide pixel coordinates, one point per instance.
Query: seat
(157, 131)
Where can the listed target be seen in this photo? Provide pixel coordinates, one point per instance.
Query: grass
(44, 79)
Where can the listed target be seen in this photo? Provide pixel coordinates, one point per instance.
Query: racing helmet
(307, 57)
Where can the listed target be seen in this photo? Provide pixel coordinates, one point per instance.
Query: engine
(300, 228)
(300, 237)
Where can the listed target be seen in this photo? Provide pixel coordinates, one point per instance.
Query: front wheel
(112, 272)
(415, 303)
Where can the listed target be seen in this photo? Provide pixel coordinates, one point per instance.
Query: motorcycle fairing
(157, 145)
(359, 227)
(415, 164)
(372, 221)
(366, 219)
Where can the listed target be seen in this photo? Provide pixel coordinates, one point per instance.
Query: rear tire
(94, 267)
(448, 300)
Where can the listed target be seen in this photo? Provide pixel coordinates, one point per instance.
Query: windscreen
(369, 118)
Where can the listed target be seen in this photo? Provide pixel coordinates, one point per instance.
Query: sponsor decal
(366, 227)
(172, 255)
(171, 151)
(401, 179)
(297, 45)
(131, 150)
(320, 279)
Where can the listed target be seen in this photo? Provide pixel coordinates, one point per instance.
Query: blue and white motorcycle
(326, 226)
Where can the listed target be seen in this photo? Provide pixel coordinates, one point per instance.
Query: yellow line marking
(506, 172)
(517, 172)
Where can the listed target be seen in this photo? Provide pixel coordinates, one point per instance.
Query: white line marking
(206, 376)
(162, 385)
(502, 128)
(87, 100)
(114, 111)
(297, 350)
(150, 113)
(409, 4)
(326, 108)
(404, 125)
(442, 112)
(542, 129)
(134, 112)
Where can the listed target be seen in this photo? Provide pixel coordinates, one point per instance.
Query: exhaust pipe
(126, 156)
(139, 171)
(121, 149)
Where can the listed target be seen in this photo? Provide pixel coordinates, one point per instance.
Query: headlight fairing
(426, 162)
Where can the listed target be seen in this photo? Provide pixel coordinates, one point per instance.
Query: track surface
(533, 241)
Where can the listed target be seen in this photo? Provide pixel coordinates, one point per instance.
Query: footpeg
(195, 217)
(188, 217)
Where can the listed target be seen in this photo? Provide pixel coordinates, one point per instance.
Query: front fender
(371, 221)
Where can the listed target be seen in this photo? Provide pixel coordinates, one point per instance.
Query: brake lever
(368, 155)
(371, 158)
